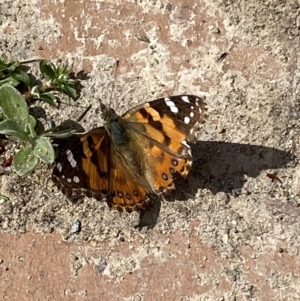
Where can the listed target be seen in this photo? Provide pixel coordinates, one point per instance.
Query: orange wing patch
(161, 129)
(165, 166)
(95, 161)
(126, 193)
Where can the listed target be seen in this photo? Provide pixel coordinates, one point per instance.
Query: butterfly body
(135, 156)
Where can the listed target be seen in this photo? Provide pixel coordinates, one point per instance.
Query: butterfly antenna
(84, 113)
(116, 65)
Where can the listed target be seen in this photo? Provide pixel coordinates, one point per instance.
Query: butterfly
(133, 157)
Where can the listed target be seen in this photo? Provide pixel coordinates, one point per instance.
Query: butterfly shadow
(220, 167)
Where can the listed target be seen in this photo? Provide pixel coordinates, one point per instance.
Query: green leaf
(5, 66)
(68, 91)
(63, 134)
(48, 98)
(32, 121)
(48, 69)
(10, 81)
(21, 76)
(29, 126)
(3, 59)
(44, 150)
(13, 105)
(6, 198)
(11, 128)
(30, 131)
(24, 161)
(11, 66)
(63, 71)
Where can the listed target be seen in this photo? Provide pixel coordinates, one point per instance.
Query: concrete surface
(231, 230)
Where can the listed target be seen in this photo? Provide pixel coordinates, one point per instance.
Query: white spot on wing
(185, 99)
(71, 158)
(192, 114)
(187, 120)
(59, 167)
(194, 129)
(76, 179)
(185, 143)
(171, 105)
(69, 180)
(73, 163)
(69, 154)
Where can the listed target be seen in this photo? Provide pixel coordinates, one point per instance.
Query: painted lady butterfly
(133, 157)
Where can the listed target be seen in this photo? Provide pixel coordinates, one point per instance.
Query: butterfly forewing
(170, 122)
(84, 168)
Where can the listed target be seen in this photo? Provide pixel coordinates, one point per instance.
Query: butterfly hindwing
(126, 193)
(165, 167)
